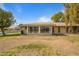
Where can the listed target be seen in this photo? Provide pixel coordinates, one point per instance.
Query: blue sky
(33, 12)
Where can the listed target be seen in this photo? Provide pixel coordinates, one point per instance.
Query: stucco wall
(55, 30)
(62, 30)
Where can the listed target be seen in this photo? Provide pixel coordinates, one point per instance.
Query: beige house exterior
(48, 28)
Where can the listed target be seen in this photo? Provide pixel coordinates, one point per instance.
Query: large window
(33, 29)
(44, 29)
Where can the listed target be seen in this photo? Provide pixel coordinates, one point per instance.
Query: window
(44, 29)
(67, 29)
(33, 29)
(58, 29)
(52, 30)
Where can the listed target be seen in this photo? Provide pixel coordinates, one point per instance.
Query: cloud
(2, 6)
(44, 19)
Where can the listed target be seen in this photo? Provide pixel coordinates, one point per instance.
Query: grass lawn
(39, 45)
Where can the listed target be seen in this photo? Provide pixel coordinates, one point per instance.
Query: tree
(6, 20)
(71, 14)
(58, 17)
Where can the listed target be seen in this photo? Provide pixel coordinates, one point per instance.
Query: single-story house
(48, 28)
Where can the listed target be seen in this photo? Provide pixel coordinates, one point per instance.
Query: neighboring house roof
(47, 24)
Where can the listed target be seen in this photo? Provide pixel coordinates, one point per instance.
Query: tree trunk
(3, 33)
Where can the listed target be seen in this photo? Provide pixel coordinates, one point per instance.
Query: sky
(32, 12)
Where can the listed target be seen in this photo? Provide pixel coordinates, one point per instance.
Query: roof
(47, 24)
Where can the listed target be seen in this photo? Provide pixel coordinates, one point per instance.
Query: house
(48, 28)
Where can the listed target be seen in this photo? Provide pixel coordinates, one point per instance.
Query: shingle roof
(47, 24)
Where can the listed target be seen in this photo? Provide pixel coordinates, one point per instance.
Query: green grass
(13, 34)
(33, 50)
(73, 38)
(8, 54)
(32, 46)
(9, 36)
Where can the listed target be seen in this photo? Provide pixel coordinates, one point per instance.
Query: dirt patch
(60, 43)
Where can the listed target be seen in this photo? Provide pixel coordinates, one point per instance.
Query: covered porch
(38, 30)
(48, 28)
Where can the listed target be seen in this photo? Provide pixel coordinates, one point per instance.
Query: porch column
(27, 30)
(39, 29)
(50, 30)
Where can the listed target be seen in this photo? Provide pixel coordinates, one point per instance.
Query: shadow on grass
(10, 35)
(48, 34)
(59, 35)
(18, 34)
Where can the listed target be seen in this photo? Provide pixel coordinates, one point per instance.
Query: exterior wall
(62, 30)
(55, 30)
(51, 29)
(69, 30)
(24, 29)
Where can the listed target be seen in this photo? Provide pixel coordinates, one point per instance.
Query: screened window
(33, 29)
(44, 29)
